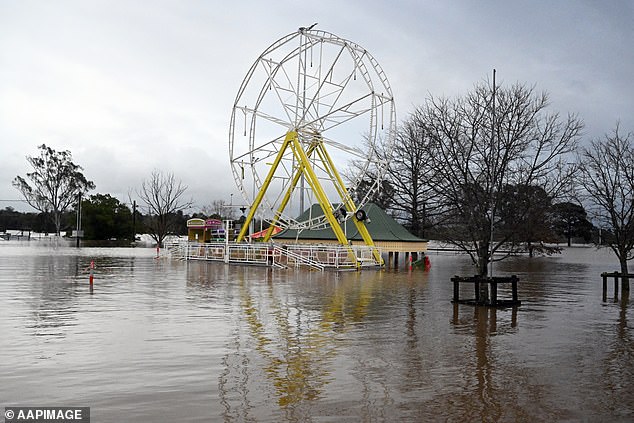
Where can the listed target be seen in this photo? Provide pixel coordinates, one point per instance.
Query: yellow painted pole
(290, 136)
(343, 192)
(322, 198)
(287, 195)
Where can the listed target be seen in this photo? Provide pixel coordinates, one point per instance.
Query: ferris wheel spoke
(286, 85)
(357, 152)
(291, 101)
(265, 149)
(342, 114)
(323, 83)
(261, 114)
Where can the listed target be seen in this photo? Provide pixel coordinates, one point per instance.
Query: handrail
(299, 259)
(317, 257)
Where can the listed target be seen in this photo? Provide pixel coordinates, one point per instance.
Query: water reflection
(485, 394)
(52, 295)
(484, 320)
(295, 339)
(618, 366)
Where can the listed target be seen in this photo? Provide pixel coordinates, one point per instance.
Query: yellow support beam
(287, 195)
(267, 181)
(315, 185)
(349, 203)
(304, 168)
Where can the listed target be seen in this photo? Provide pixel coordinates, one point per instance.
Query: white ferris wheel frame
(315, 114)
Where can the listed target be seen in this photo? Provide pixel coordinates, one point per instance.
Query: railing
(285, 257)
(318, 257)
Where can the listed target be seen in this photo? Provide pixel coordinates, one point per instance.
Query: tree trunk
(57, 219)
(625, 281)
(483, 270)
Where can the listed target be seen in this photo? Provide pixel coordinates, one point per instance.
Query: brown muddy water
(160, 340)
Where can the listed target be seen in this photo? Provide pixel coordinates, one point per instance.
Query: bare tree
(219, 209)
(371, 184)
(57, 183)
(485, 142)
(162, 196)
(410, 175)
(607, 175)
(403, 191)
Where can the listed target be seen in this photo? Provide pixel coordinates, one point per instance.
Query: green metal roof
(381, 226)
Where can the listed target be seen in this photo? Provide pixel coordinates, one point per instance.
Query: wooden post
(390, 255)
(456, 289)
(514, 287)
(604, 275)
(396, 259)
(477, 288)
(616, 285)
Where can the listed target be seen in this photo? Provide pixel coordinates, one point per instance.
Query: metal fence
(312, 256)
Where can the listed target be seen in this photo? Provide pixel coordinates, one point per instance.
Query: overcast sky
(132, 86)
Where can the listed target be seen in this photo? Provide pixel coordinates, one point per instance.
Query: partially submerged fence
(318, 257)
(625, 285)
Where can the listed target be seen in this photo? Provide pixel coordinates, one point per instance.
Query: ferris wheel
(311, 104)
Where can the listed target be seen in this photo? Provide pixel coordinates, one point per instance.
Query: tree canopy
(55, 183)
(571, 220)
(105, 217)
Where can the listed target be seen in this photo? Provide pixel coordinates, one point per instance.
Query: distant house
(387, 233)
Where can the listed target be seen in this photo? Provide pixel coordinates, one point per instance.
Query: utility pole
(492, 176)
(134, 221)
(78, 224)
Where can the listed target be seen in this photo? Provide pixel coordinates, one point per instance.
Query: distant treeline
(102, 217)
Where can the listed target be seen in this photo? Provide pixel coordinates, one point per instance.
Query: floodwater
(160, 340)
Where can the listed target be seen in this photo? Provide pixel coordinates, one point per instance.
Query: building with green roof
(387, 233)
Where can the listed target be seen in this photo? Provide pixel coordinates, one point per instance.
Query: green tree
(11, 219)
(105, 217)
(525, 214)
(55, 183)
(571, 220)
